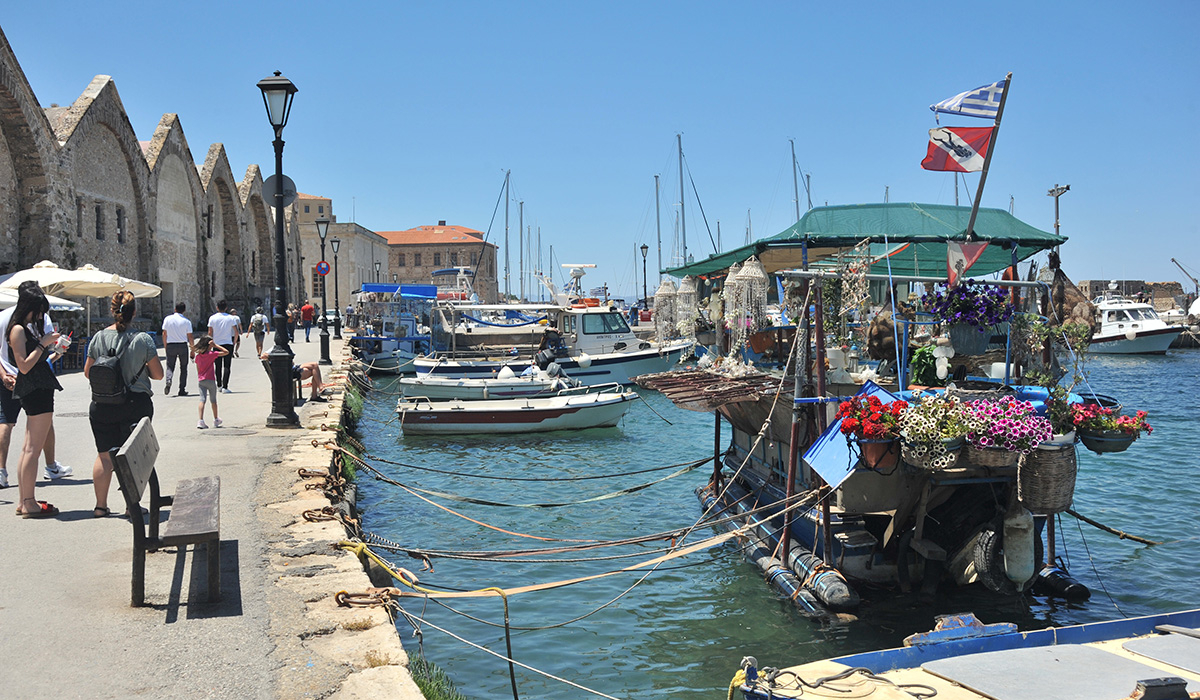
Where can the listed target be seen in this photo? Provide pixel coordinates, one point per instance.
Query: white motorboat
(568, 410)
(390, 340)
(505, 385)
(1129, 327)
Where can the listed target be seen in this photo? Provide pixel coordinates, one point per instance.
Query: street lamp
(278, 93)
(377, 264)
(337, 302)
(323, 231)
(645, 299)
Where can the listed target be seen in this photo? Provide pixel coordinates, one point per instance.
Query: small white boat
(505, 385)
(1128, 327)
(569, 410)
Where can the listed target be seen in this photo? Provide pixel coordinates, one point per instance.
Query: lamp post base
(337, 327)
(283, 406)
(324, 345)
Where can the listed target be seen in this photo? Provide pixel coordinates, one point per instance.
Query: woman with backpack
(120, 364)
(28, 348)
(259, 325)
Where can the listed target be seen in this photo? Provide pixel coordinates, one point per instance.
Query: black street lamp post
(323, 231)
(278, 93)
(645, 297)
(337, 302)
(377, 264)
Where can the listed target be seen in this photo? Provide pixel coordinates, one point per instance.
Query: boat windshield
(594, 324)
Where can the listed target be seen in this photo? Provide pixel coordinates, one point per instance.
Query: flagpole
(987, 160)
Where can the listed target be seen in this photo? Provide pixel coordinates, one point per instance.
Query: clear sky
(409, 113)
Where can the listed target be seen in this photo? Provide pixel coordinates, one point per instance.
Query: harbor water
(681, 630)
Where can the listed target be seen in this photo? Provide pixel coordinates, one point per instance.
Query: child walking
(207, 354)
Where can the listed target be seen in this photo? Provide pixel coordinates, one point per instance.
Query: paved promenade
(66, 626)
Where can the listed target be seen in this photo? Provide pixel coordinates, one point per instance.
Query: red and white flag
(960, 148)
(960, 256)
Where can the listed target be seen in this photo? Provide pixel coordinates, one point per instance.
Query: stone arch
(226, 214)
(28, 152)
(180, 233)
(258, 238)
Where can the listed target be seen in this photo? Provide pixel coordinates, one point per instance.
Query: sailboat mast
(682, 215)
(521, 246)
(718, 236)
(541, 287)
(987, 160)
(658, 227)
(795, 180)
(507, 285)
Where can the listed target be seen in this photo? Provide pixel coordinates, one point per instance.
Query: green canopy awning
(915, 234)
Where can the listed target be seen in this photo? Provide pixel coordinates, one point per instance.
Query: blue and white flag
(980, 102)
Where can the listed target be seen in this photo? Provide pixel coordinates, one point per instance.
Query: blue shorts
(10, 406)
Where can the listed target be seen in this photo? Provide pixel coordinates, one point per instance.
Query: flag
(961, 149)
(960, 256)
(980, 102)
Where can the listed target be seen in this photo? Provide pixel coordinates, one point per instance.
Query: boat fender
(750, 666)
(989, 561)
(826, 583)
(585, 360)
(1018, 547)
(506, 373)
(1054, 582)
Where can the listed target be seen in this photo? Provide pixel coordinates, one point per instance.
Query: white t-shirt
(5, 317)
(176, 328)
(223, 327)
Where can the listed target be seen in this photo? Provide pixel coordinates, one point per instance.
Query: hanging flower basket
(969, 340)
(1105, 441)
(1046, 478)
(878, 454)
(933, 456)
(991, 456)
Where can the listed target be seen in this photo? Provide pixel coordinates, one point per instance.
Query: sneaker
(201, 425)
(217, 423)
(57, 470)
(3, 478)
(226, 391)
(182, 392)
(168, 390)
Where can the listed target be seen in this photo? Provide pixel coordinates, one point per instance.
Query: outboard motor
(544, 359)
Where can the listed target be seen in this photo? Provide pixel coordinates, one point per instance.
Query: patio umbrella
(8, 297)
(87, 281)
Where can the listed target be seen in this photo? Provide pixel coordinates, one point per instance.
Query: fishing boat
(389, 341)
(590, 341)
(1129, 327)
(567, 410)
(1156, 656)
(505, 385)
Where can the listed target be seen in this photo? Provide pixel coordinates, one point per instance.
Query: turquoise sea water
(681, 631)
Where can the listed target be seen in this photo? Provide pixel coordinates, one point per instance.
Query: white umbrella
(8, 297)
(87, 281)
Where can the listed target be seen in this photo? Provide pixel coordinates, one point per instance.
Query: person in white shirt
(223, 328)
(10, 409)
(178, 341)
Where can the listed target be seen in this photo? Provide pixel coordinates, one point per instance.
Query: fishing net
(664, 310)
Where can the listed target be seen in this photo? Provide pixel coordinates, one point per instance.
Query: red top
(306, 312)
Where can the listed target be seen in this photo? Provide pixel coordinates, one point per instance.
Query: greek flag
(980, 102)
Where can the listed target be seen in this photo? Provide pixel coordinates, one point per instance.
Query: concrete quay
(67, 629)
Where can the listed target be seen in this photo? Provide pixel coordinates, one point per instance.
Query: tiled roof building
(414, 255)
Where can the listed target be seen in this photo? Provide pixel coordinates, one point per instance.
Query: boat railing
(593, 389)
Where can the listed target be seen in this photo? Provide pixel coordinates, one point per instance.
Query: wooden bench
(296, 384)
(195, 510)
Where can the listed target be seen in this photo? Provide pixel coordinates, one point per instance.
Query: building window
(208, 222)
(472, 260)
(79, 217)
(305, 208)
(120, 225)
(321, 209)
(417, 259)
(399, 259)
(99, 221)
(454, 260)
(213, 288)
(253, 264)
(318, 283)
(437, 259)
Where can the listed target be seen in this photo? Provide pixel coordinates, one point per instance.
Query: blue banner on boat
(831, 455)
(411, 291)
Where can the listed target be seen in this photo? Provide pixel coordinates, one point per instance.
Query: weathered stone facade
(77, 187)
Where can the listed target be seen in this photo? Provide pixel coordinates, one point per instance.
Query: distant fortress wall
(77, 187)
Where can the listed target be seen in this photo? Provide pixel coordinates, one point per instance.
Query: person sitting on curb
(304, 371)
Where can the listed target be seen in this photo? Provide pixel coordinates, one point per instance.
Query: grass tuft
(358, 625)
(374, 658)
(433, 681)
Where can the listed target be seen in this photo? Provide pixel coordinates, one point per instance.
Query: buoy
(505, 373)
(585, 360)
(1130, 334)
(1055, 582)
(1018, 546)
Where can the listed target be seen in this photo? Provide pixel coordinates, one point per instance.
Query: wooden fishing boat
(1156, 656)
(500, 387)
(568, 410)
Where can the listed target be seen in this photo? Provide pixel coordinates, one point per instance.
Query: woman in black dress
(28, 350)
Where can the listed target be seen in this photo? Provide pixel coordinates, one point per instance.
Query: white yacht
(1128, 327)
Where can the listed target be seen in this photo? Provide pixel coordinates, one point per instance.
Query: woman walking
(113, 423)
(28, 348)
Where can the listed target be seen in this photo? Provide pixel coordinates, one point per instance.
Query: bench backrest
(134, 461)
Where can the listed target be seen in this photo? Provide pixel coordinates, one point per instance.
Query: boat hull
(601, 369)
(447, 388)
(514, 415)
(1153, 342)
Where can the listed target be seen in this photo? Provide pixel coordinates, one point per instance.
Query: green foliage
(433, 681)
(923, 368)
(353, 407)
(1058, 410)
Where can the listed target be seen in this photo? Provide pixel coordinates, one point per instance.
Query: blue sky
(410, 113)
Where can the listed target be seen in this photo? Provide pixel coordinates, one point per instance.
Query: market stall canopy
(87, 281)
(911, 236)
(8, 297)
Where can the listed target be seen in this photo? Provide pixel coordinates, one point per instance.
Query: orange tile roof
(426, 235)
(301, 195)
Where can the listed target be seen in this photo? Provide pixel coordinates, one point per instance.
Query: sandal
(45, 510)
(101, 512)
(318, 399)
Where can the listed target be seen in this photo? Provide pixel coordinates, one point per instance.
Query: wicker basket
(991, 457)
(976, 390)
(924, 457)
(1046, 479)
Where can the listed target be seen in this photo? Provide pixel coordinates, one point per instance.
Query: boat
(1155, 656)
(567, 410)
(389, 339)
(589, 340)
(505, 385)
(1129, 327)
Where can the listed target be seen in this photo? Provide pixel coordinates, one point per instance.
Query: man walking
(179, 341)
(307, 313)
(223, 328)
(10, 407)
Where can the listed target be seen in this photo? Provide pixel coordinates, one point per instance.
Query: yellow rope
(738, 679)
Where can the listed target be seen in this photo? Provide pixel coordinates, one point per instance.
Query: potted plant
(932, 431)
(874, 426)
(1103, 429)
(969, 310)
(1001, 431)
(1061, 417)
